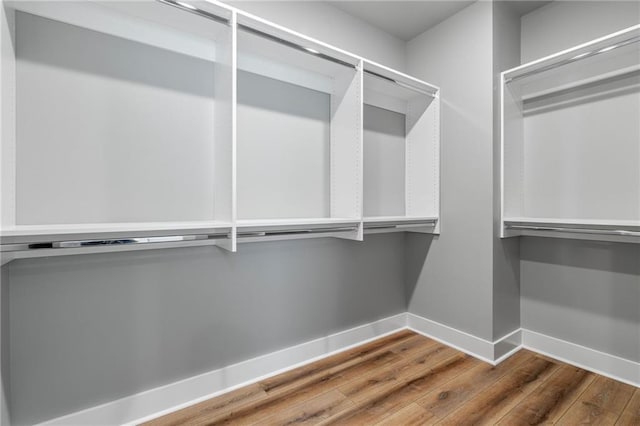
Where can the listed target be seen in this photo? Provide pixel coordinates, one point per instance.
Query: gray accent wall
(89, 329)
(583, 292)
(451, 275)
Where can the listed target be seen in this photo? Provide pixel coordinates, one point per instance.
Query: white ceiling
(408, 19)
(402, 19)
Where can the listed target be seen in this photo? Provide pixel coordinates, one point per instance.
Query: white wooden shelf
(299, 136)
(571, 142)
(36, 233)
(245, 130)
(131, 153)
(401, 148)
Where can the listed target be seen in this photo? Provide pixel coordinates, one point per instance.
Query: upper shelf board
(276, 52)
(154, 23)
(613, 54)
(392, 83)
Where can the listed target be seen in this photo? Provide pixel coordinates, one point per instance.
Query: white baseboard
(608, 365)
(491, 352)
(162, 400)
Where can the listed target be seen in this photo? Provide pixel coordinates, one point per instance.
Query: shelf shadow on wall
(608, 88)
(597, 278)
(416, 250)
(73, 48)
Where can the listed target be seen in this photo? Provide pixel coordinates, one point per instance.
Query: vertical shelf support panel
(7, 116)
(346, 148)
(512, 178)
(225, 132)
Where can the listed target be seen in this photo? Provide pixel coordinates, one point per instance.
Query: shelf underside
(590, 229)
(38, 233)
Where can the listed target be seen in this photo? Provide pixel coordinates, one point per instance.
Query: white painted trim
(153, 403)
(507, 355)
(508, 336)
(607, 365)
(465, 342)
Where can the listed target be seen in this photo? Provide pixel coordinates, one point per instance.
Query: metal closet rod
(296, 46)
(575, 58)
(297, 231)
(400, 83)
(195, 10)
(618, 232)
(108, 242)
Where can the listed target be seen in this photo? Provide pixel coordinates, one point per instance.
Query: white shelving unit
(571, 143)
(156, 124)
(401, 152)
(116, 121)
(299, 131)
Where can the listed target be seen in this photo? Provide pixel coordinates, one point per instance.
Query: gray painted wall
(384, 162)
(99, 327)
(506, 252)
(270, 184)
(451, 277)
(85, 107)
(583, 292)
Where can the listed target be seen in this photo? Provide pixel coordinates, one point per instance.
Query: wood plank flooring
(408, 379)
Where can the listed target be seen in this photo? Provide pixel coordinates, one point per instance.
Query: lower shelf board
(601, 230)
(406, 378)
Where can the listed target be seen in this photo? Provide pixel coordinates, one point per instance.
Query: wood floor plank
(341, 359)
(363, 388)
(445, 399)
(601, 403)
(608, 394)
(411, 415)
(584, 413)
(631, 414)
(382, 404)
(393, 352)
(228, 401)
(547, 403)
(312, 411)
(488, 407)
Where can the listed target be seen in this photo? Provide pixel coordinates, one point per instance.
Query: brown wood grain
(381, 404)
(631, 414)
(608, 393)
(313, 411)
(601, 403)
(341, 360)
(445, 399)
(363, 388)
(489, 406)
(551, 400)
(411, 415)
